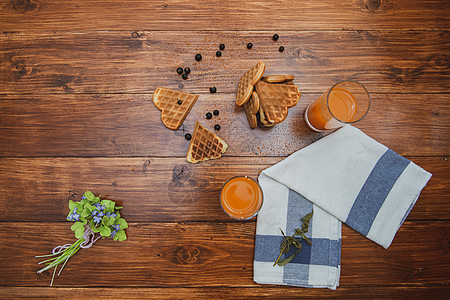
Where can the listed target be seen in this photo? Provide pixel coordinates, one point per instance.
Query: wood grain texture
(230, 15)
(212, 254)
(155, 189)
(253, 292)
(139, 62)
(130, 125)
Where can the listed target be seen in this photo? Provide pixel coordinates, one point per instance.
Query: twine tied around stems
(88, 240)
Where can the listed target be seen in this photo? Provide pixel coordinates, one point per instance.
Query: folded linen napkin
(317, 265)
(349, 175)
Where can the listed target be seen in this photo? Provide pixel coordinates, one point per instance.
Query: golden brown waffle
(172, 113)
(251, 109)
(204, 145)
(275, 99)
(277, 78)
(246, 83)
(263, 119)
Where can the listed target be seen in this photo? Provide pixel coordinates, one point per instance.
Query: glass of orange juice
(346, 102)
(241, 197)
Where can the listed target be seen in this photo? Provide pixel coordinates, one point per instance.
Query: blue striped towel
(346, 176)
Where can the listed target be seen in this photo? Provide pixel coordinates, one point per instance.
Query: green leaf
(85, 213)
(89, 195)
(119, 207)
(105, 231)
(94, 229)
(117, 217)
(297, 244)
(121, 236)
(123, 224)
(71, 205)
(306, 219)
(89, 207)
(109, 205)
(79, 232)
(285, 261)
(107, 221)
(77, 225)
(306, 239)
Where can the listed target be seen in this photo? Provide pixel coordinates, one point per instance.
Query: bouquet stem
(63, 256)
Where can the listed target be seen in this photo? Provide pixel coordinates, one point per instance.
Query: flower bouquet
(94, 218)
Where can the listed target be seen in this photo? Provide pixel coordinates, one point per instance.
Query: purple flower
(97, 219)
(94, 213)
(75, 217)
(116, 227)
(83, 197)
(100, 214)
(113, 233)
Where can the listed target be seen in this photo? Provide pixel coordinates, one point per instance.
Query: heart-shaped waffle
(247, 81)
(204, 145)
(275, 100)
(174, 106)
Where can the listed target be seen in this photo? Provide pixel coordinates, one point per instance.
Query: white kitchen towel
(317, 265)
(361, 182)
(351, 177)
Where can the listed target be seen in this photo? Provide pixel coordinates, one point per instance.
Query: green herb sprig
(91, 216)
(291, 240)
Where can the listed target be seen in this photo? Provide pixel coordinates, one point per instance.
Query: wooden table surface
(76, 84)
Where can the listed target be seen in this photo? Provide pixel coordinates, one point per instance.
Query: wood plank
(130, 125)
(212, 254)
(36, 15)
(130, 62)
(157, 189)
(259, 292)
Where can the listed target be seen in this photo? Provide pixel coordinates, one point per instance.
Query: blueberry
(216, 112)
(212, 89)
(184, 76)
(187, 71)
(218, 54)
(222, 47)
(217, 127)
(179, 102)
(198, 57)
(281, 49)
(180, 71)
(275, 37)
(188, 136)
(208, 115)
(249, 46)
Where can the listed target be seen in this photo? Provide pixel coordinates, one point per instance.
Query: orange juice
(241, 197)
(341, 106)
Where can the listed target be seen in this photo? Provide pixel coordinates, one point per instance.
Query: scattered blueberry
(212, 89)
(216, 112)
(281, 49)
(208, 115)
(198, 57)
(188, 136)
(222, 47)
(187, 71)
(217, 127)
(275, 37)
(184, 76)
(249, 46)
(218, 54)
(180, 71)
(179, 102)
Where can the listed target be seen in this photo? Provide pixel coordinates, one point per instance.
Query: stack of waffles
(266, 98)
